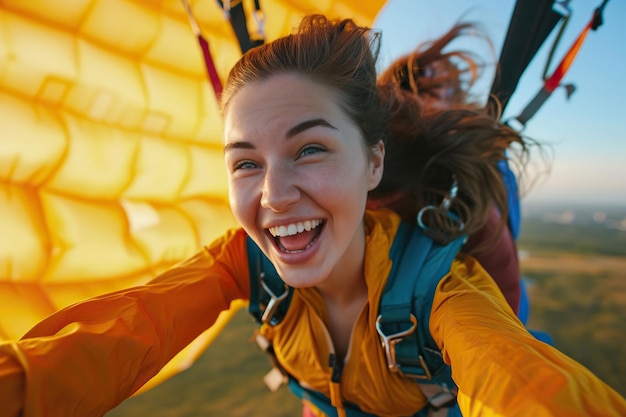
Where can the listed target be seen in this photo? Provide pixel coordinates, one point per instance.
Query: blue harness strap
(513, 199)
(323, 404)
(269, 295)
(404, 314)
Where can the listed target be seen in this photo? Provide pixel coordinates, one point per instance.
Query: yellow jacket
(87, 358)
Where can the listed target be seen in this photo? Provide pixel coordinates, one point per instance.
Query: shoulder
(381, 222)
(231, 240)
(226, 253)
(468, 272)
(468, 292)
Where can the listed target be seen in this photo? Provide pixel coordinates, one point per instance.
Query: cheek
(238, 203)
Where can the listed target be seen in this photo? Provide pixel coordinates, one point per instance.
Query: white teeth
(294, 228)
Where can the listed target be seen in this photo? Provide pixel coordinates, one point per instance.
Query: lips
(296, 237)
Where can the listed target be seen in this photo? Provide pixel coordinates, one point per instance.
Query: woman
(304, 145)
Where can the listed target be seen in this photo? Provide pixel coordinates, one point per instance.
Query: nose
(279, 189)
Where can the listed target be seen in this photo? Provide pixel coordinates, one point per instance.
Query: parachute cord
(206, 52)
(554, 80)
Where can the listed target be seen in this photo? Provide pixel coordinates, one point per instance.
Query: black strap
(237, 17)
(554, 81)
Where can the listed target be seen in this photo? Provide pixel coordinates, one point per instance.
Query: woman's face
(299, 172)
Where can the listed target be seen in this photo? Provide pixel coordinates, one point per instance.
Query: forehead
(277, 103)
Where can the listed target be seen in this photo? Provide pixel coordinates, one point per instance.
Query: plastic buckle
(273, 303)
(389, 343)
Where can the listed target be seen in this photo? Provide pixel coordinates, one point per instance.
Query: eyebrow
(238, 145)
(309, 124)
(297, 129)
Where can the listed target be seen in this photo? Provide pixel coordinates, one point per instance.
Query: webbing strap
(514, 215)
(238, 21)
(412, 282)
(552, 82)
(216, 83)
(263, 272)
(323, 404)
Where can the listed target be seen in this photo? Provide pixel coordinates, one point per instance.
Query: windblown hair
(338, 54)
(427, 148)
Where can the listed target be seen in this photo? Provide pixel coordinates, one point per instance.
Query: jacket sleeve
(87, 358)
(498, 256)
(502, 370)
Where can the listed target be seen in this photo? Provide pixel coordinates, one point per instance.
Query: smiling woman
(307, 135)
(287, 174)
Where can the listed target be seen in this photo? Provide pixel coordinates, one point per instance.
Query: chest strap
(404, 313)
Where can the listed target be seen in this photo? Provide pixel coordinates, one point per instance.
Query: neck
(347, 281)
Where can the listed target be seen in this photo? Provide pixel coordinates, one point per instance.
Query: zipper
(336, 366)
(335, 363)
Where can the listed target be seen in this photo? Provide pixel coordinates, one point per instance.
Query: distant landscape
(572, 257)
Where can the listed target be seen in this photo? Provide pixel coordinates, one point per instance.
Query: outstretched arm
(502, 370)
(87, 358)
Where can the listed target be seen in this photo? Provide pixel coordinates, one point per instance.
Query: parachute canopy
(111, 165)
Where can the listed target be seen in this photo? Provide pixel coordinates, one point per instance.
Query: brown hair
(430, 67)
(338, 54)
(426, 149)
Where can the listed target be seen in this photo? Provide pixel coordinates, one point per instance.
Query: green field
(578, 295)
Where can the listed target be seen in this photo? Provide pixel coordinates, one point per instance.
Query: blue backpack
(418, 264)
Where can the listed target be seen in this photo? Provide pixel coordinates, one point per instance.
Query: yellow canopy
(110, 144)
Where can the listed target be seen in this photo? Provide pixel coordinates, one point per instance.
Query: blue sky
(587, 133)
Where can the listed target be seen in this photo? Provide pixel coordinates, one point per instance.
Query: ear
(377, 164)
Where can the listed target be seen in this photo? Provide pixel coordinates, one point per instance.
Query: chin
(301, 279)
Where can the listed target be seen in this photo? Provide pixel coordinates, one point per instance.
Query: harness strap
(514, 215)
(420, 265)
(269, 295)
(237, 17)
(323, 404)
(206, 52)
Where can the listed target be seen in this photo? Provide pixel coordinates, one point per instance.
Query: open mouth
(297, 237)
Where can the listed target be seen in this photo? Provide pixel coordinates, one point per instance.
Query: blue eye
(244, 165)
(311, 149)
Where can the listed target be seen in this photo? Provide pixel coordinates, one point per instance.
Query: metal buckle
(389, 343)
(274, 301)
(444, 206)
(259, 18)
(441, 399)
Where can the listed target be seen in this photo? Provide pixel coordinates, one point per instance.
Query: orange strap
(552, 82)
